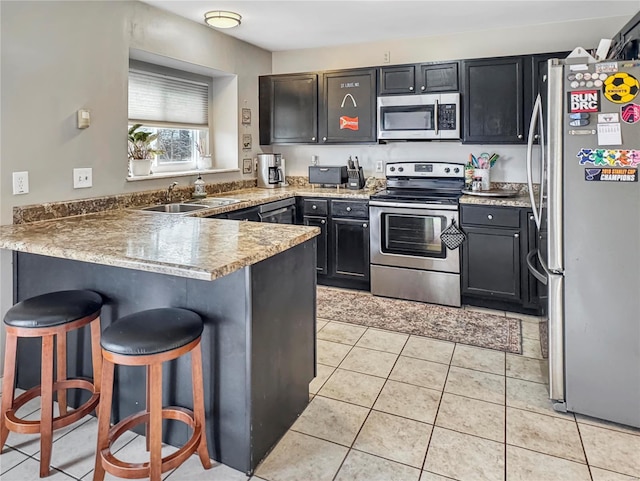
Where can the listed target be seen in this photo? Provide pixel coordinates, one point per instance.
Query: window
(175, 106)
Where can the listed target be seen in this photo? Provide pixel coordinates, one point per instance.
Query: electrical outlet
(386, 58)
(82, 178)
(20, 183)
(379, 166)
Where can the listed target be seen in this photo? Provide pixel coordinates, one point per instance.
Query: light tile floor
(392, 407)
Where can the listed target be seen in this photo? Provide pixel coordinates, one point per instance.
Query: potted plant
(140, 152)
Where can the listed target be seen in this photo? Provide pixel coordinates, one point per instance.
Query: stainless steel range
(409, 260)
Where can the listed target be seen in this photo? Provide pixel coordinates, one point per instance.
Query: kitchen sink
(214, 202)
(174, 208)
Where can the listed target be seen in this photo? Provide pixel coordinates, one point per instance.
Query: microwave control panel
(447, 116)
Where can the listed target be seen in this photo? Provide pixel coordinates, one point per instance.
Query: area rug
(439, 322)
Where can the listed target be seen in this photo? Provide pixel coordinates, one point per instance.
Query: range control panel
(424, 169)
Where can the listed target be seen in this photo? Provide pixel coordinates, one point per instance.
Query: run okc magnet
(583, 101)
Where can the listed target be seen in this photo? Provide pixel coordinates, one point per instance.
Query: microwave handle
(435, 116)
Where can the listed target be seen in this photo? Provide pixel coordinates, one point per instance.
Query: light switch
(84, 118)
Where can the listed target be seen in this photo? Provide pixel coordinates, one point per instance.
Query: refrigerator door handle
(556, 337)
(535, 116)
(535, 272)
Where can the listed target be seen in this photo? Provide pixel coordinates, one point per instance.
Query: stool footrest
(122, 469)
(22, 426)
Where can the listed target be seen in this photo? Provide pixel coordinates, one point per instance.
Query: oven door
(408, 235)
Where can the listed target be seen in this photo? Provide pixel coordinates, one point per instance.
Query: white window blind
(167, 100)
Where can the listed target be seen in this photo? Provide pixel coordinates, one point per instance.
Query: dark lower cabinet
(343, 244)
(322, 265)
(351, 249)
(491, 263)
(494, 259)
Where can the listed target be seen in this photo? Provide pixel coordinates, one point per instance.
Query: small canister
(199, 191)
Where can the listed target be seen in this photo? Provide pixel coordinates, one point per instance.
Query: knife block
(356, 178)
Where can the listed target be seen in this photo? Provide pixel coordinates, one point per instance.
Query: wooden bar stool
(49, 316)
(149, 338)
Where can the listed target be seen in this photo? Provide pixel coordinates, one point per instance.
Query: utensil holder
(356, 178)
(484, 174)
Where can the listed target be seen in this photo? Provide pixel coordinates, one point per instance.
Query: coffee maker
(270, 173)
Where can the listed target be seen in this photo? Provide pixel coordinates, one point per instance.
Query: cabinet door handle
(516, 235)
(423, 88)
(348, 209)
(365, 225)
(313, 138)
(536, 136)
(324, 139)
(519, 136)
(531, 217)
(314, 207)
(490, 217)
(411, 89)
(323, 221)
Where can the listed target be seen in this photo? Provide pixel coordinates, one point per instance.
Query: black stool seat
(152, 332)
(53, 309)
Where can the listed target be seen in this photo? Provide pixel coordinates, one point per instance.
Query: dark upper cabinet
(348, 106)
(536, 83)
(494, 101)
(399, 79)
(288, 109)
(437, 77)
(419, 78)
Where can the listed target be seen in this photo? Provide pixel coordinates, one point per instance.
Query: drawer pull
(323, 221)
(490, 217)
(530, 217)
(313, 138)
(348, 209)
(411, 89)
(314, 207)
(516, 235)
(324, 139)
(365, 225)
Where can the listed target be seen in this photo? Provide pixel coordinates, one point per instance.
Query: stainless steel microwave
(419, 117)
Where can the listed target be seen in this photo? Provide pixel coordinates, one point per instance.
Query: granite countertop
(178, 245)
(257, 196)
(521, 200)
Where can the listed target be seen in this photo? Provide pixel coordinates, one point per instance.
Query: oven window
(407, 118)
(415, 235)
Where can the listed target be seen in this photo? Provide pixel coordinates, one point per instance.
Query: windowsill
(167, 175)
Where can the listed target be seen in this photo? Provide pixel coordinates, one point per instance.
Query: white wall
(58, 57)
(489, 43)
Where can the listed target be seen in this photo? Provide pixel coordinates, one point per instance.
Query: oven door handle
(416, 206)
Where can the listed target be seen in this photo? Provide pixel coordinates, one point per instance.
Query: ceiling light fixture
(222, 19)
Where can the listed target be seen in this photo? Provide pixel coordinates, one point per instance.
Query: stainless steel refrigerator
(588, 216)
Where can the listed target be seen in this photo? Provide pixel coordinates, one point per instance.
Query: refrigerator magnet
(611, 175)
(630, 113)
(583, 101)
(620, 88)
(608, 118)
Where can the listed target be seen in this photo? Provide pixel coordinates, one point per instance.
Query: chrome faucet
(170, 190)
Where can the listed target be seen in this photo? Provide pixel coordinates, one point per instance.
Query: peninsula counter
(253, 284)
